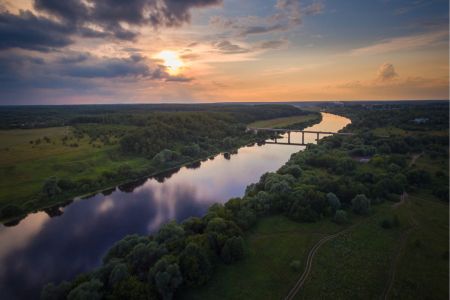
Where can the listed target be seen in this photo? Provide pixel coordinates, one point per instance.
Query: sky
(192, 51)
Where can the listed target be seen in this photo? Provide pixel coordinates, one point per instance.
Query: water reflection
(42, 249)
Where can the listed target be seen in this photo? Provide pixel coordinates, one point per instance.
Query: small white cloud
(386, 72)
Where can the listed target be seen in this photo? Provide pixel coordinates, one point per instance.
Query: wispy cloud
(404, 43)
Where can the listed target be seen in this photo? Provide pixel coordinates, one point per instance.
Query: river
(60, 243)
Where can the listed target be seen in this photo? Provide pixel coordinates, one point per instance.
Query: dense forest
(96, 147)
(137, 114)
(338, 179)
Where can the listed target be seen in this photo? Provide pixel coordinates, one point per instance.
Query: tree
(55, 292)
(123, 247)
(192, 150)
(195, 265)
(340, 217)
(130, 289)
(333, 201)
(10, 210)
(165, 156)
(293, 170)
(87, 290)
(166, 276)
(193, 225)
(143, 256)
(118, 273)
(361, 205)
(233, 249)
(171, 234)
(419, 178)
(51, 188)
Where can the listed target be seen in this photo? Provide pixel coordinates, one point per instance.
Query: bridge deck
(298, 130)
(284, 143)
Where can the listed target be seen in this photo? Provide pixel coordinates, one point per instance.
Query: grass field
(422, 272)
(265, 272)
(356, 264)
(283, 122)
(24, 166)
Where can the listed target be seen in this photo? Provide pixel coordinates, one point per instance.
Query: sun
(171, 61)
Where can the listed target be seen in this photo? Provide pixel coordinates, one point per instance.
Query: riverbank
(24, 197)
(42, 168)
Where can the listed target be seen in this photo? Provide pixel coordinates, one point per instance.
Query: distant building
(420, 120)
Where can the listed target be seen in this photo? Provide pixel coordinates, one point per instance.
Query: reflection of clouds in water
(105, 206)
(42, 249)
(16, 238)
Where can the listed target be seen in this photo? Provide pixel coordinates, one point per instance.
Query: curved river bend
(42, 248)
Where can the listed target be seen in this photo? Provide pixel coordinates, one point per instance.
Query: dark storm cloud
(109, 68)
(28, 31)
(70, 10)
(73, 58)
(69, 18)
(110, 14)
(76, 72)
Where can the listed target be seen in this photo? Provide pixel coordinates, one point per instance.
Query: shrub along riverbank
(326, 183)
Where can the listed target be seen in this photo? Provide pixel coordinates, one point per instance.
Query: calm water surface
(57, 244)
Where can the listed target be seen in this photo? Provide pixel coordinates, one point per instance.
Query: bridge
(276, 131)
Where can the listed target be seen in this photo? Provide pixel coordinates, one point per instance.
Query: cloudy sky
(113, 51)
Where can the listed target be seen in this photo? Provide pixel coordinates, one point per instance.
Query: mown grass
(284, 122)
(24, 166)
(265, 272)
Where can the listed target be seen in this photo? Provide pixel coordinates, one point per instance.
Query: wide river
(57, 244)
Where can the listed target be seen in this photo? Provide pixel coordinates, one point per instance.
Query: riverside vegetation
(255, 247)
(50, 154)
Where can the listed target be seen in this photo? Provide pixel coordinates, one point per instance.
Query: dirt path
(293, 292)
(414, 158)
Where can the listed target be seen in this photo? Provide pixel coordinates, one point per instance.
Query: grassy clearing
(24, 166)
(422, 272)
(283, 122)
(265, 272)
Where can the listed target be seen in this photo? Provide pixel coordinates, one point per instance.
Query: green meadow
(24, 166)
